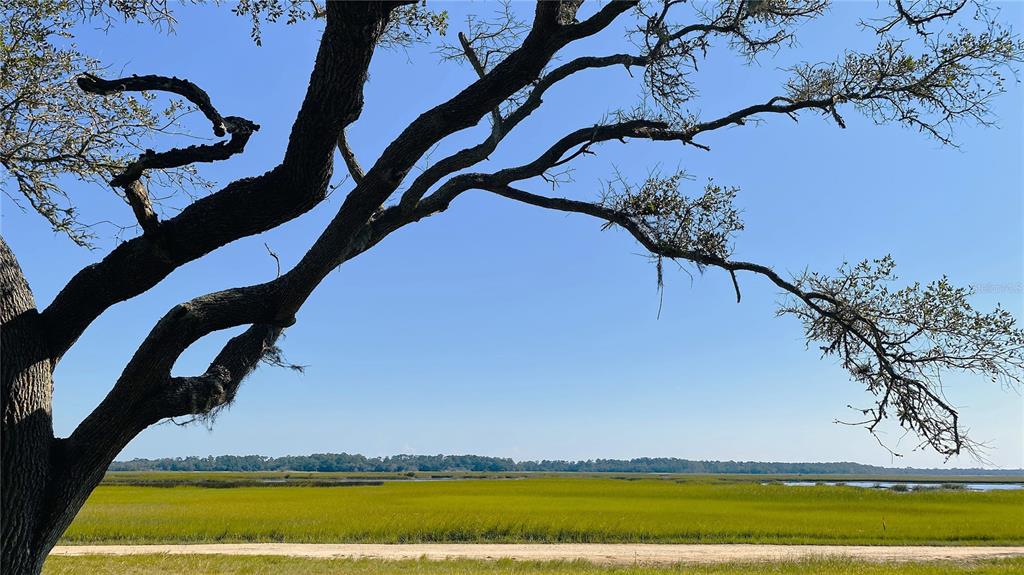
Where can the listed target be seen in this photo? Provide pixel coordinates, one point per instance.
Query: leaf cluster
(703, 225)
(50, 129)
(899, 342)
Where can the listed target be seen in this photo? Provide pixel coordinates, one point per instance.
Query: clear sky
(502, 329)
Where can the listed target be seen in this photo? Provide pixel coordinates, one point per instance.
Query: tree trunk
(27, 434)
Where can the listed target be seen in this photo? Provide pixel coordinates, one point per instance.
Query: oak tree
(935, 65)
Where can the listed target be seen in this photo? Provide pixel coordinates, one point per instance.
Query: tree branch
(470, 156)
(138, 198)
(239, 128)
(467, 48)
(137, 195)
(939, 10)
(202, 395)
(245, 207)
(351, 162)
(153, 83)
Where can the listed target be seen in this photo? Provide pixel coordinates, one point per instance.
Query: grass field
(550, 510)
(220, 564)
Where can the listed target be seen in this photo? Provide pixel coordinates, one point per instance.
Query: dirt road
(598, 553)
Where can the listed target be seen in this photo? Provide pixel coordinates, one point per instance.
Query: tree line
(346, 462)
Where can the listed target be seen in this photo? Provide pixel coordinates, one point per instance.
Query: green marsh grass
(549, 510)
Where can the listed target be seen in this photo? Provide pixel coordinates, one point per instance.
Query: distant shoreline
(354, 463)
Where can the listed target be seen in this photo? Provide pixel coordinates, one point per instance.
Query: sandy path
(600, 553)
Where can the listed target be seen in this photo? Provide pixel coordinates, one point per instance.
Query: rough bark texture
(27, 439)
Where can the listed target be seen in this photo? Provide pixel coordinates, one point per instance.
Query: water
(994, 486)
(910, 486)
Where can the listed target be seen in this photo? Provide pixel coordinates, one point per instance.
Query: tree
(937, 63)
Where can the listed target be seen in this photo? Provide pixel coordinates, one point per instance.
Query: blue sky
(502, 329)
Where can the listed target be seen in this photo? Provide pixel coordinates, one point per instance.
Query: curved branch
(202, 395)
(239, 128)
(475, 154)
(153, 83)
(739, 117)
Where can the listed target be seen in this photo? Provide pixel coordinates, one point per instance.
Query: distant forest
(478, 463)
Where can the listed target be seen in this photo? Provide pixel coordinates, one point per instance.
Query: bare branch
(138, 198)
(277, 259)
(490, 40)
(351, 162)
(239, 128)
(735, 285)
(188, 90)
(475, 61)
(919, 13)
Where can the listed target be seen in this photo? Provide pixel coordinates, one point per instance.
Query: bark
(27, 439)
